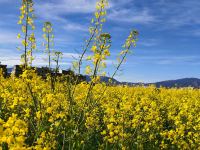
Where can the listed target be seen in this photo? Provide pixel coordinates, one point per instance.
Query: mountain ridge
(179, 83)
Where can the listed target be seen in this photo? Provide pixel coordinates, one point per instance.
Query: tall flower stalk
(58, 56)
(95, 30)
(48, 37)
(100, 51)
(32, 47)
(26, 21)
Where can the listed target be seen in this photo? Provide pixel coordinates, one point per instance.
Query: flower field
(32, 116)
(60, 112)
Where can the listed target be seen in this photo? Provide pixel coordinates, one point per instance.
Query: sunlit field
(62, 112)
(34, 117)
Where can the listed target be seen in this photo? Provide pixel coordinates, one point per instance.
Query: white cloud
(174, 14)
(168, 60)
(75, 27)
(70, 55)
(7, 37)
(132, 16)
(54, 10)
(12, 59)
(148, 42)
(60, 7)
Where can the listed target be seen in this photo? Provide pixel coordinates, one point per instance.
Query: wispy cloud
(75, 27)
(148, 42)
(12, 59)
(71, 55)
(167, 60)
(132, 16)
(8, 37)
(175, 14)
(58, 8)
(55, 10)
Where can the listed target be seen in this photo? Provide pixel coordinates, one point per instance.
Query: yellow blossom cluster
(32, 116)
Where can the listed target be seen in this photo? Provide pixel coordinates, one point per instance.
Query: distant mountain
(185, 82)
(103, 79)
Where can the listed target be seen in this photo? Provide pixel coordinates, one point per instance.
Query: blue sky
(168, 46)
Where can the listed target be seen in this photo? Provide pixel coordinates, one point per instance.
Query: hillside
(185, 82)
